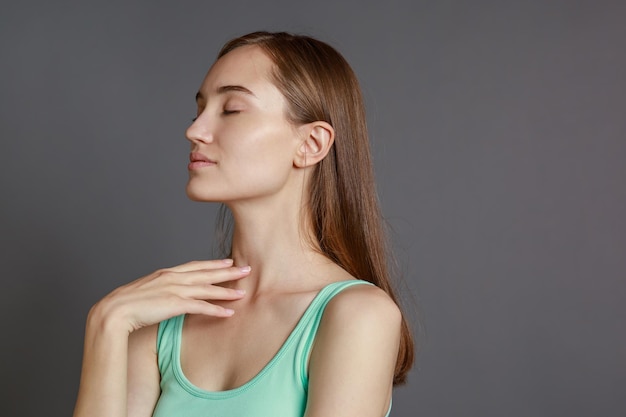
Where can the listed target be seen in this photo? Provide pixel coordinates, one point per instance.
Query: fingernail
(241, 292)
(227, 261)
(229, 312)
(245, 269)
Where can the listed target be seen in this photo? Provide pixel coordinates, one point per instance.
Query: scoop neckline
(200, 392)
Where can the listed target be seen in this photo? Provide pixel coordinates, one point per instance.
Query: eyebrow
(228, 88)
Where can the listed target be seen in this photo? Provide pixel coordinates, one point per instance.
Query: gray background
(499, 137)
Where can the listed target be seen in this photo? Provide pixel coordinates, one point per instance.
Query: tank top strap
(310, 322)
(284, 377)
(167, 338)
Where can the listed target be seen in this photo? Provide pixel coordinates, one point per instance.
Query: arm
(119, 376)
(353, 359)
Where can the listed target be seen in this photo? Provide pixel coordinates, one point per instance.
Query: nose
(199, 131)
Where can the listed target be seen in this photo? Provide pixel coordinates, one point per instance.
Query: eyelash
(224, 113)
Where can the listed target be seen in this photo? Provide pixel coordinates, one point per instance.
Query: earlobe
(318, 139)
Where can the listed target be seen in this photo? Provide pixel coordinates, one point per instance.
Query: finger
(200, 265)
(208, 292)
(208, 309)
(210, 276)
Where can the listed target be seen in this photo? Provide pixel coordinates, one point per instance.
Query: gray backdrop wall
(499, 136)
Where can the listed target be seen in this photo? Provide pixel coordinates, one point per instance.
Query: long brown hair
(319, 85)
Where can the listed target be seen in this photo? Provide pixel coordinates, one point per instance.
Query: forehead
(247, 66)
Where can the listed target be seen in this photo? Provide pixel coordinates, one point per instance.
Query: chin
(196, 194)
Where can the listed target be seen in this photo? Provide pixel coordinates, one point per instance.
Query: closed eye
(224, 112)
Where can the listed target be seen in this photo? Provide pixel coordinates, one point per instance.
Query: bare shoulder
(362, 314)
(143, 372)
(352, 362)
(142, 353)
(144, 339)
(366, 304)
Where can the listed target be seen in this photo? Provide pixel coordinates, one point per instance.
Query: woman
(290, 324)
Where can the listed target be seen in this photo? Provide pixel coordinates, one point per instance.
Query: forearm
(103, 383)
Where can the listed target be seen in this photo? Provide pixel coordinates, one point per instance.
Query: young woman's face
(242, 145)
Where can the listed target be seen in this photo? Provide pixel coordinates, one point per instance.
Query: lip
(198, 157)
(198, 160)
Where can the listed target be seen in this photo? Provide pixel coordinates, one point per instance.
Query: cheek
(260, 140)
(264, 156)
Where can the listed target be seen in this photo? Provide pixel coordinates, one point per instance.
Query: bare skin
(256, 162)
(138, 305)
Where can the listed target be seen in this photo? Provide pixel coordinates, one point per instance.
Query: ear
(318, 137)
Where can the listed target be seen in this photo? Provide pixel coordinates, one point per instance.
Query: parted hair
(319, 85)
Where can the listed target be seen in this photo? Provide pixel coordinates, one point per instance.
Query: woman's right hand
(107, 367)
(184, 289)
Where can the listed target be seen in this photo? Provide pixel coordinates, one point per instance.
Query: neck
(278, 243)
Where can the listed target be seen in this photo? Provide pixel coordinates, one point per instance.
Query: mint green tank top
(278, 390)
